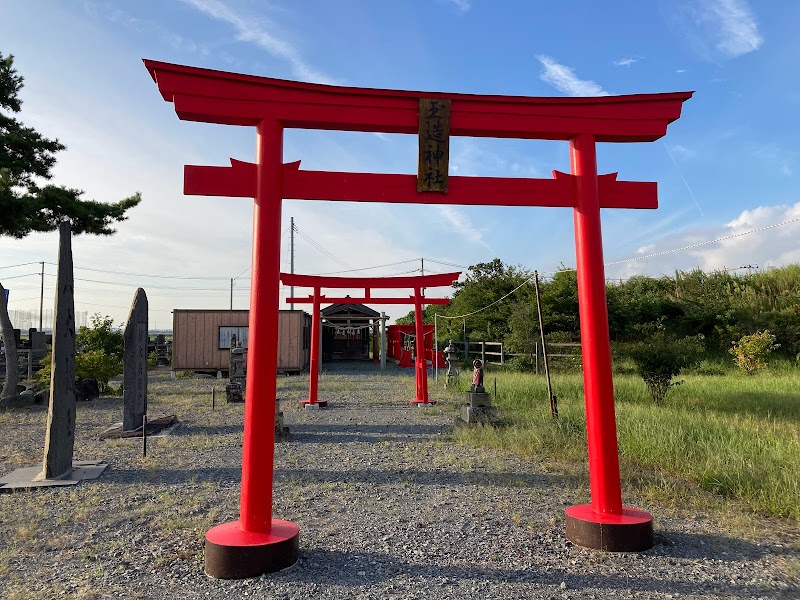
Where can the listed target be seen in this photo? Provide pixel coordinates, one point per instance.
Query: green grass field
(730, 434)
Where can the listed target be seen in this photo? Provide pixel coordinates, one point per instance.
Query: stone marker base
(26, 477)
(313, 405)
(478, 409)
(153, 427)
(632, 531)
(231, 553)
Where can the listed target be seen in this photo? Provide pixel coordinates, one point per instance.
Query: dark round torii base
(632, 531)
(231, 553)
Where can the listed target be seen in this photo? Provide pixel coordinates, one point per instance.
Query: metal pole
(41, 299)
(291, 255)
(213, 397)
(231, 293)
(383, 341)
(553, 409)
(436, 348)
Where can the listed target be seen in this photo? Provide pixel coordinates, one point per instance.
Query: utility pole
(41, 298)
(231, 293)
(291, 255)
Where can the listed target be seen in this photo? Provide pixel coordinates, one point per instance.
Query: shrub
(751, 350)
(662, 357)
(152, 360)
(99, 353)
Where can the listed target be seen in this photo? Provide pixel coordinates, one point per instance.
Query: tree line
(721, 306)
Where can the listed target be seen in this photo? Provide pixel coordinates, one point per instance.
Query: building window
(227, 333)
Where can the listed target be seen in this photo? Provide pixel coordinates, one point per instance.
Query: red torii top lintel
(234, 99)
(410, 281)
(415, 282)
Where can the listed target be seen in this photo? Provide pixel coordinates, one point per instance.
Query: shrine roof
(334, 310)
(212, 96)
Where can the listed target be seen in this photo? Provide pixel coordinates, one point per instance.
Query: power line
(138, 274)
(19, 265)
(401, 262)
(26, 275)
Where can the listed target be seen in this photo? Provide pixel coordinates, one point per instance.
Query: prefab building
(201, 339)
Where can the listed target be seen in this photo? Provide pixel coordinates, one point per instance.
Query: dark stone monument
(135, 364)
(60, 436)
(234, 392)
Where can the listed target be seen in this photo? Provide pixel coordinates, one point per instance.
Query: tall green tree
(27, 204)
(487, 285)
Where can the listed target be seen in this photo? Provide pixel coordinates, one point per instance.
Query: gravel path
(388, 507)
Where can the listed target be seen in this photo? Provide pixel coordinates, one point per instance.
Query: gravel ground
(388, 507)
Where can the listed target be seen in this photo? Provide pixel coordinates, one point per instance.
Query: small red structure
(418, 283)
(399, 336)
(257, 543)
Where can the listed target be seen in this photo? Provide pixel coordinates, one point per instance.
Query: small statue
(477, 377)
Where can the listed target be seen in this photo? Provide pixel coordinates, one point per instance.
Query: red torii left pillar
(417, 282)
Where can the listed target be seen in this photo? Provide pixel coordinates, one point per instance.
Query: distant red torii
(416, 282)
(257, 543)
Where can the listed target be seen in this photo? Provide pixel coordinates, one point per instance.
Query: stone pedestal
(281, 432)
(478, 409)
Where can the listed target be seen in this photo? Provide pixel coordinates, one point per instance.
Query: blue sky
(728, 166)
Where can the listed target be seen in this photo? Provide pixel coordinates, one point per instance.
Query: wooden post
(483, 354)
(502, 357)
(553, 410)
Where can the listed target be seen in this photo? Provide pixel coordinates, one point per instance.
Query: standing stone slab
(60, 436)
(135, 364)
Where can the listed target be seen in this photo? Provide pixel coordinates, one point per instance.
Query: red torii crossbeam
(417, 283)
(257, 543)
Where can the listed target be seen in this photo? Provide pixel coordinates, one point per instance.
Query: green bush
(98, 365)
(152, 360)
(661, 358)
(751, 350)
(99, 353)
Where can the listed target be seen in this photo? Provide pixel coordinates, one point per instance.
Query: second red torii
(417, 283)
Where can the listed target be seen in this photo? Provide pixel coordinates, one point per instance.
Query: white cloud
(462, 225)
(735, 26)
(253, 31)
(767, 246)
(461, 5)
(681, 70)
(625, 62)
(564, 79)
(718, 28)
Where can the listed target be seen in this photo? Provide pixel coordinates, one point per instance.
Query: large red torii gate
(257, 543)
(416, 282)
